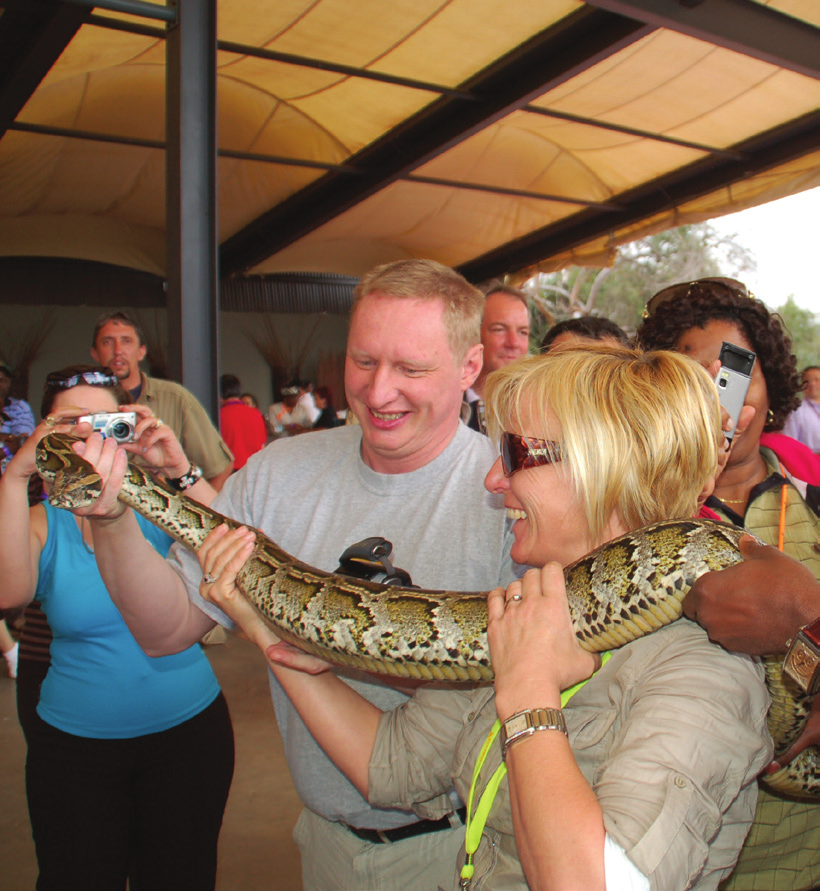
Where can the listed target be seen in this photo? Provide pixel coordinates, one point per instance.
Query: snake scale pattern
(629, 587)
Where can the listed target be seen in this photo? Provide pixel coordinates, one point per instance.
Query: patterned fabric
(20, 418)
(782, 852)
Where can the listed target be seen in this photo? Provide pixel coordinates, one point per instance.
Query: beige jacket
(671, 734)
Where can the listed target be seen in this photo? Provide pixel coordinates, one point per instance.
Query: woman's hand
(111, 463)
(156, 444)
(222, 556)
(533, 647)
(59, 421)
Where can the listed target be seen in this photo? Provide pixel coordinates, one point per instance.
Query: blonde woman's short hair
(429, 280)
(640, 430)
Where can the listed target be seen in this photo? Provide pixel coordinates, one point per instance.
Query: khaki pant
(333, 859)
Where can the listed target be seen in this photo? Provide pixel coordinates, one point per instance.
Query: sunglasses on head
(683, 289)
(522, 452)
(56, 381)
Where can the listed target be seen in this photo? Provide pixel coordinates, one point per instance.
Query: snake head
(73, 481)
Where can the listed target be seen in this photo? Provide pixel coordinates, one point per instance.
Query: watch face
(803, 661)
(516, 724)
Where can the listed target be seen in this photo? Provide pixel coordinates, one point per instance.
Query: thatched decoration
(285, 361)
(330, 373)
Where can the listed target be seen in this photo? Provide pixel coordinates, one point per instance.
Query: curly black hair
(703, 302)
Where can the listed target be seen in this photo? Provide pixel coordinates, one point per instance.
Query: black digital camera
(370, 559)
(119, 425)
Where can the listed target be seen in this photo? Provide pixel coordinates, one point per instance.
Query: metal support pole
(193, 310)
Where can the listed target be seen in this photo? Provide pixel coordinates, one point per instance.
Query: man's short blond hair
(429, 280)
(640, 430)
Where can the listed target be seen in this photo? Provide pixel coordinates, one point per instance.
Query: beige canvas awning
(496, 137)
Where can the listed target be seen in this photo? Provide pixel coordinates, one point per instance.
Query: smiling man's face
(403, 382)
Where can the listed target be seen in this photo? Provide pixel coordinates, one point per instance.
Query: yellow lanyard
(478, 820)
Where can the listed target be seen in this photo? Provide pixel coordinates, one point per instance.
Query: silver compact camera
(733, 379)
(118, 425)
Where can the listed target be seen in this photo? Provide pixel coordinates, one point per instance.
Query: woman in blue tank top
(130, 758)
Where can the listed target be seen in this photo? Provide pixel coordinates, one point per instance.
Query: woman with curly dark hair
(759, 490)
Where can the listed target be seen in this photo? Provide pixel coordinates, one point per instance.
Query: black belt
(422, 827)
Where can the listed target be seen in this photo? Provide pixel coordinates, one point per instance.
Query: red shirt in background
(243, 428)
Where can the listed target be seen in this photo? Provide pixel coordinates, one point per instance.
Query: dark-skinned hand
(758, 605)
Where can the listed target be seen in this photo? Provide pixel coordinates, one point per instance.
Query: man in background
(290, 416)
(119, 344)
(803, 424)
(505, 335)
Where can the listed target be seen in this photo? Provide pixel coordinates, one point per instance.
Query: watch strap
(525, 723)
(181, 483)
(802, 662)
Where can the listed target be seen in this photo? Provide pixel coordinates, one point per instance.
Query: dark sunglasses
(522, 452)
(56, 381)
(675, 292)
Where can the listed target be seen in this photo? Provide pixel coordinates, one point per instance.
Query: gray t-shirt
(314, 496)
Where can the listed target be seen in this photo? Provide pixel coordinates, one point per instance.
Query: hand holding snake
(223, 555)
(534, 650)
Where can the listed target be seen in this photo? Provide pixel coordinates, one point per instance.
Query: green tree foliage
(620, 292)
(804, 331)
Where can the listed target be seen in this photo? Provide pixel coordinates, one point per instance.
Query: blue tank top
(100, 683)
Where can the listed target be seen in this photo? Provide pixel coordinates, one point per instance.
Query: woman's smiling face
(549, 520)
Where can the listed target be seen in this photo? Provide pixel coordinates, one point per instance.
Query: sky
(784, 238)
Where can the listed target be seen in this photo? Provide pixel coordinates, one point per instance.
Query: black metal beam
(744, 26)
(548, 59)
(630, 131)
(190, 163)
(512, 193)
(33, 34)
(761, 153)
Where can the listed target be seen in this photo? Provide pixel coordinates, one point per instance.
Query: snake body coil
(631, 586)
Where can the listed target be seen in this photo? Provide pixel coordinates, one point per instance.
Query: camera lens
(121, 431)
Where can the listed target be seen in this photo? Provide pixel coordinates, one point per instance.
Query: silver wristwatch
(531, 720)
(802, 662)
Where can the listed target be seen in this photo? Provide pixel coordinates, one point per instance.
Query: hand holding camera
(140, 432)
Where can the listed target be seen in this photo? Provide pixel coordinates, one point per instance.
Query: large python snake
(629, 587)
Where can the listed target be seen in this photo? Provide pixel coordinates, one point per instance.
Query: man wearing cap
(505, 336)
(118, 343)
(290, 415)
(411, 472)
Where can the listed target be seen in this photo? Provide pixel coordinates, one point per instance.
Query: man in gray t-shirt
(410, 472)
